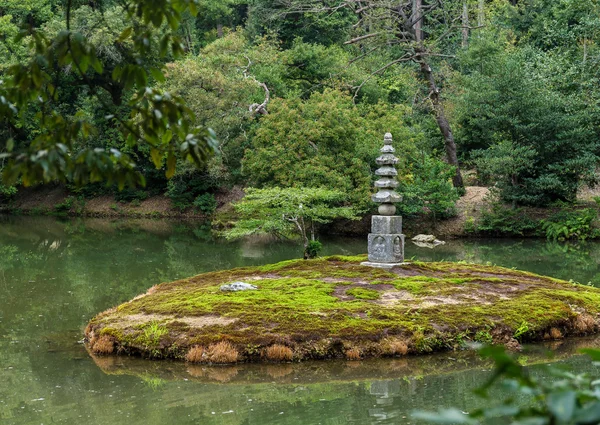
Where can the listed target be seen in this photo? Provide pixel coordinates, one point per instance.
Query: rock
(427, 241)
(238, 286)
(424, 238)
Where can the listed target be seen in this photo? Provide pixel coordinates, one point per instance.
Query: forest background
(300, 92)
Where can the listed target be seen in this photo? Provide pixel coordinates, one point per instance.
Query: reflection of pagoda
(386, 241)
(384, 392)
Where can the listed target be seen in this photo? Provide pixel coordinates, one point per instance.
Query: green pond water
(55, 275)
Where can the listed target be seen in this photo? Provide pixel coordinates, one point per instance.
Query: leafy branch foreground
(568, 398)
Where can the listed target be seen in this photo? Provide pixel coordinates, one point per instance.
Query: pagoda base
(383, 265)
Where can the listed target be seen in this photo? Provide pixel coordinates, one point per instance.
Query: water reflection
(55, 275)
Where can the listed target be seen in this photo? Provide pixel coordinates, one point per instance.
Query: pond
(56, 274)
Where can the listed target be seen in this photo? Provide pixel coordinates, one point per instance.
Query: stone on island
(386, 241)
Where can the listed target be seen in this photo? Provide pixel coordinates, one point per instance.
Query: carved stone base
(386, 248)
(383, 265)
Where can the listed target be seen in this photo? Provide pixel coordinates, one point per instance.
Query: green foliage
(131, 195)
(521, 330)
(289, 211)
(313, 249)
(206, 203)
(571, 224)
(324, 141)
(567, 398)
(529, 127)
(185, 188)
(427, 188)
(499, 220)
(116, 68)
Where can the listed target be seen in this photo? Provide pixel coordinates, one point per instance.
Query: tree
(530, 131)
(407, 31)
(33, 94)
(325, 141)
(291, 211)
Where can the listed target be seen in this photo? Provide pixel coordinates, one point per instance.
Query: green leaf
(125, 34)
(590, 414)
(562, 405)
(171, 165)
(157, 157)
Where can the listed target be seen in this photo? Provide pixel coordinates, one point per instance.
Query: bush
(427, 187)
(130, 195)
(185, 188)
(313, 249)
(206, 203)
(571, 224)
(504, 221)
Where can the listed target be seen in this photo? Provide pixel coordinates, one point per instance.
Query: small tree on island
(286, 212)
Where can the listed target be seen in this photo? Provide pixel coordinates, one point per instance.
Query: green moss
(434, 305)
(363, 294)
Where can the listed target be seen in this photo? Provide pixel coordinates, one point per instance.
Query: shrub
(313, 249)
(571, 224)
(499, 220)
(185, 188)
(130, 195)
(66, 205)
(427, 188)
(324, 141)
(206, 203)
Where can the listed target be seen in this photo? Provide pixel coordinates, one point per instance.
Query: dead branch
(257, 108)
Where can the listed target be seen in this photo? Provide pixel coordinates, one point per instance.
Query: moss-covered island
(335, 308)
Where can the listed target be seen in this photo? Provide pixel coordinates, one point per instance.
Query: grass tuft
(353, 354)
(222, 353)
(105, 344)
(195, 354)
(279, 353)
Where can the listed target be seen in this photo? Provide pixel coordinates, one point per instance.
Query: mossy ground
(326, 307)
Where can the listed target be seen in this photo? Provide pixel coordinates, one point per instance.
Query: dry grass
(223, 352)
(103, 345)
(398, 348)
(195, 354)
(585, 323)
(555, 333)
(353, 354)
(279, 353)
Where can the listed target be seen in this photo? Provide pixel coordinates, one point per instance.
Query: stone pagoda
(386, 241)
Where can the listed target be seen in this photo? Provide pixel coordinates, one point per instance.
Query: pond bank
(335, 308)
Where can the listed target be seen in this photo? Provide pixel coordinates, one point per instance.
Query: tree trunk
(418, 19)
(442, 121)
(219, 30)
(481, 13)
(465, 23)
